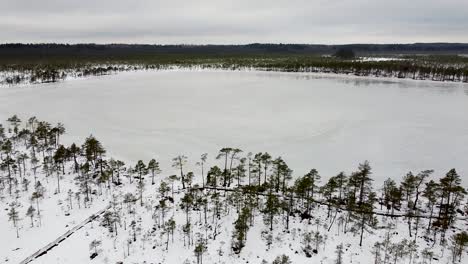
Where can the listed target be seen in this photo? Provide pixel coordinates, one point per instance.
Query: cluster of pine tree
(55, 73)
(247, 186)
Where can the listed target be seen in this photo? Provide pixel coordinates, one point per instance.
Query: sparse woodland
(450, 69)
(232, 206)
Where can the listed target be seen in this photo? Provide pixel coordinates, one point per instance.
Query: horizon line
(232, 44)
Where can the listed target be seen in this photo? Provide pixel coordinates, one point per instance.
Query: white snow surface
(330, 123)
(75, 249)
(380, 58)
(326, 122)
(53, 223)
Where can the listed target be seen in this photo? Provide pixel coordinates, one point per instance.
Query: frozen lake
(326, 122)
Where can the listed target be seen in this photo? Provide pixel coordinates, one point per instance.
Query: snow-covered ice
(313, 120)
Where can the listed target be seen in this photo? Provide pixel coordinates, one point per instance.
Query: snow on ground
(333, 125)
(380, 59)
(149, 246)
(54, 220)
(114, 248)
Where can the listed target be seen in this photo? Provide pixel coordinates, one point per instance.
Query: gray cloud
(241, 21)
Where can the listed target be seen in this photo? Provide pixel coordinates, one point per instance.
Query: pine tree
(282, 259)
(94, 245)
(172, 179)
(59, 130)
(129, 199)
(364, 181)
(408, 186)
(431, 193)
(240, 171)
(108, 220)
(392, 195)
(411, 250)
(212, 176)
(74, 151)
(420, 179)
(281, 174)
(257, 169)
(179, 163)
(163, 189)
(153, 166)
(140, 168)
(339, 254)
(186, 204)
(318, 240)
(459, 243)
(84, 181)
(189, 179)
(427, 254)
(327, 191)
(14, 122)
(452, 193)
(234, 156)
(169, 228)
(93, 150)
(240, 230)
(141, 189)
(13, 216)
(365, 219)
(201, 163)
(37, 195)
(116, 167)
(8, 161)
(271, 209)
(59, 160)
(30, 213)
(305, 187)
(266, 160)
(25, 184)
(306, 242)
(200, 249)
(224, 154)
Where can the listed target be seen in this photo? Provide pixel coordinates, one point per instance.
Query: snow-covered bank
(409, 70)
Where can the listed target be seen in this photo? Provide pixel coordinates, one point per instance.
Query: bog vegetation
(51, 63)
(242, 190)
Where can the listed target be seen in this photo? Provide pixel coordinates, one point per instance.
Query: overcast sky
(235, 21)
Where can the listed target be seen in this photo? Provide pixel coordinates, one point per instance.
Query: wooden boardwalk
(61, 238)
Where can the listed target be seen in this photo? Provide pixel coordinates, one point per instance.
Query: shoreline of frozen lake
(328, 122)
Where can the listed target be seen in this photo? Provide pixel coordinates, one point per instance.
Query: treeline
(414, 69)
(417, 68)
(50, 74)
(106, 50)
(36, 63)
(248, 184)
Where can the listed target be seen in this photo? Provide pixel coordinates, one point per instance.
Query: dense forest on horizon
(91, 49)
(52, 53)
(39, 63)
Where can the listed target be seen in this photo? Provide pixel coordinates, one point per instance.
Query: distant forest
(106, 50)
(39, 63)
